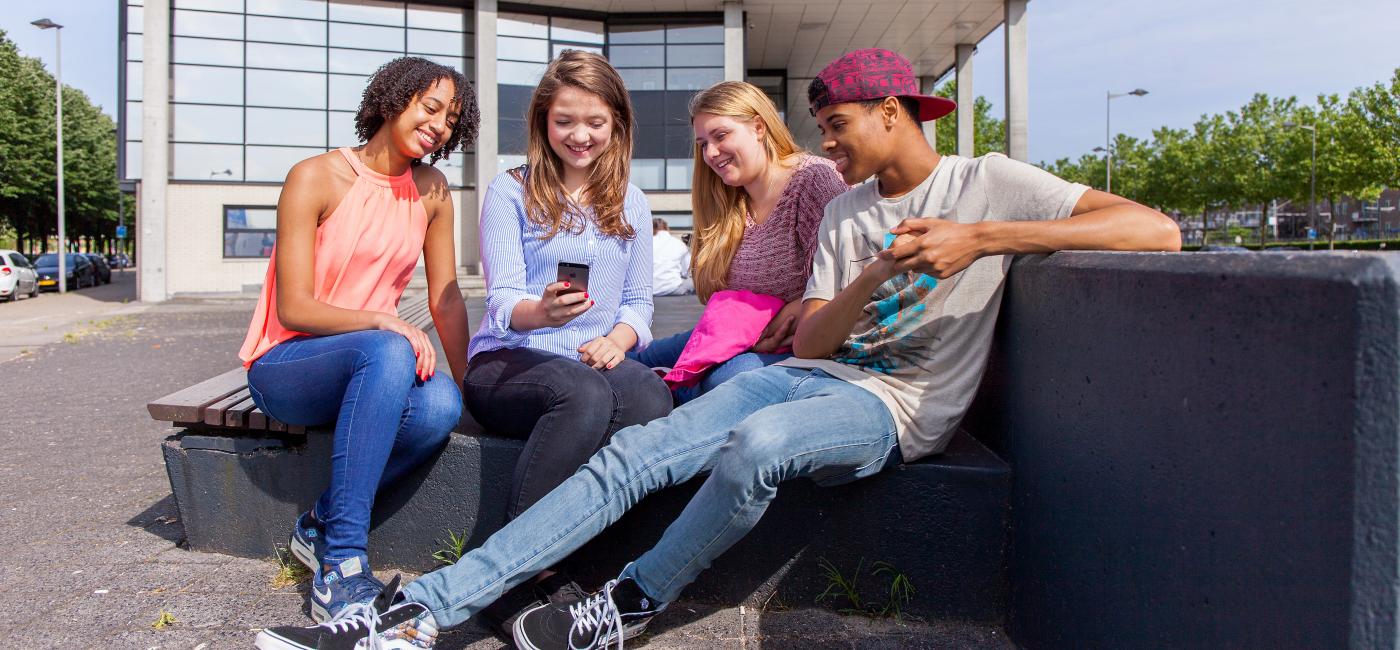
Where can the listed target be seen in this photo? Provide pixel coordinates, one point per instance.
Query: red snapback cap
(873, 73)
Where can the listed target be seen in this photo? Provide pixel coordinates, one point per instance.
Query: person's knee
(442, 407)
(754, 451)
(583, 395)
(649, 398)
(388, 349)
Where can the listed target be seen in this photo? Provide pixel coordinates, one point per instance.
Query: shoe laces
(599, 615)
(361, 588)
(356, 616)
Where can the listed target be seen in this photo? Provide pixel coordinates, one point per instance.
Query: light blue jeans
(750, 433)
(664, 353)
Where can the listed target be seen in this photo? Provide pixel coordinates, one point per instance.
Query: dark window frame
(226, 230)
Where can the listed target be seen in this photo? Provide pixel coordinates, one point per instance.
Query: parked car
(118, 260)
(17, 276)
(79, 270)
(99, 265)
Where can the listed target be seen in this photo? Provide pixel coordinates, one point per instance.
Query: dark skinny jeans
(563, 410)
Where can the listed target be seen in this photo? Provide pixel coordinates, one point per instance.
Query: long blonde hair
(545, 204)
(720, 211)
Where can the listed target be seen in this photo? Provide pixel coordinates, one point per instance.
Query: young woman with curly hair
(326, 344)
(547, 364)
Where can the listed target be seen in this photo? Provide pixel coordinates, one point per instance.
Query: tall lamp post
(1108, 130)
(45, 23)
(1312, 177)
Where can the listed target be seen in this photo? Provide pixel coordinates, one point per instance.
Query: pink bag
(732, 322)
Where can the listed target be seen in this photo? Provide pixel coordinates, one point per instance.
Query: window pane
(346, 91)
(204, 162)
(359, 62)
(454, 168)
(513, 101)
(511, 134)
(507, 162)
(693, 78)
(290, 8)
(250, 218)
(627, 34)
(427, 17)
(133, 121)
(648, 174)
(650, 142)
(290, 89)
(235, 6)
(195, 83)
(135, 19)
(272, 163)
(207, 51)
(643, 78)
(203, 23)
(520, 74)
(342, 129)
(426, 42)
(249, 244)
(695, 34)
(133, 160)
(367, 37)
(522, 49)
(134, 45)
(694, 55)
(368, 11)
(292, 57)
(649, 106)
(133, 79)
(559, 48)
(679, 173)
(582, 31)
(680, 140)
(207, 123)
(286, 30)
(285, 127)
(522, 25)
(624, 56)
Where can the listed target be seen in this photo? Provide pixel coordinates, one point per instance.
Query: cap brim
(932, 108)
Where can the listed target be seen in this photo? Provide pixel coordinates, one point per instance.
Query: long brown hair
(545, 203)
(720, 210)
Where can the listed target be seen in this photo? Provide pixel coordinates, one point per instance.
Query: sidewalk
(93, 536)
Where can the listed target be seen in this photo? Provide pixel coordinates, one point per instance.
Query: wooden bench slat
(214, 413)
(257, 420)
(237, 416)
(187, 405)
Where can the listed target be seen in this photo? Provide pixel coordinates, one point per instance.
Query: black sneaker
(381, 624)
(617, 613)
(500, 616)
(559, 588)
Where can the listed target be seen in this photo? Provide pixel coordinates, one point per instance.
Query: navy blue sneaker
(308, 541)
(347, 583)
(617, 613)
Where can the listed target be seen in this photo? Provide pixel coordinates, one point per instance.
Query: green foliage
(451, 549)
(1251, 157)
(840, 589)
(28, 151)
(988, 132)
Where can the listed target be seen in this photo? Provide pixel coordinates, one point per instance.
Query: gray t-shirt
(921, 344)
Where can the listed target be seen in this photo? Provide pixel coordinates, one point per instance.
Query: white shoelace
(358, 615)
(598, 615)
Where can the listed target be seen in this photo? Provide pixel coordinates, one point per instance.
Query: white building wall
(195, 253)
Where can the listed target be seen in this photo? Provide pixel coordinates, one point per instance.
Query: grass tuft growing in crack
(847, 596)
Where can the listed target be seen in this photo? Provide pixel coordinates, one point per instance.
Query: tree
(988, 132)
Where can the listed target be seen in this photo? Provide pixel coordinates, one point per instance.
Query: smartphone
(575, 274)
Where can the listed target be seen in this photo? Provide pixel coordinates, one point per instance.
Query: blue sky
(1194, 56)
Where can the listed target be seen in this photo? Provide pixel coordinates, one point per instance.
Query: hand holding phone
(574, 275)
(564, 300)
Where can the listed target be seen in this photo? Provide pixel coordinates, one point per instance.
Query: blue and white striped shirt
(518, 265)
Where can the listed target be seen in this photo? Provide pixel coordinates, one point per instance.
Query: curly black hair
(397, 82)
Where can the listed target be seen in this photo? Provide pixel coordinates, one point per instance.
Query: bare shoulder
(432, 185)
(318, 181)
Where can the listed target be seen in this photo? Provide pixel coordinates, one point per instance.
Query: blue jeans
(664, 353)
(387, 422)
(751, 433)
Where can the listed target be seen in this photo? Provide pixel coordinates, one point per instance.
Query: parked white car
(17, 276)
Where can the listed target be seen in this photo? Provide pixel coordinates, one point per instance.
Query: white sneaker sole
(303, 553)
(268, 641)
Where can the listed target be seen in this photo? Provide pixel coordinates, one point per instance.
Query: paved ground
(30, 323)
(93, 553)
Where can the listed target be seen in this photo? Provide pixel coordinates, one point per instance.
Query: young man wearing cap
(897, 322)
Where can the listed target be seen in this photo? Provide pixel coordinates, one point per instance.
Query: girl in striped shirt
(547, 365)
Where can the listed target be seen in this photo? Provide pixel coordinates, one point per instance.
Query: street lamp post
(1108, 131)
(1312, 179)
(45, 23)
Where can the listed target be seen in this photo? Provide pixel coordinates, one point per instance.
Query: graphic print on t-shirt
(900, 326)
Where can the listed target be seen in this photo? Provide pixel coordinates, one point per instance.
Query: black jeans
(563, 409)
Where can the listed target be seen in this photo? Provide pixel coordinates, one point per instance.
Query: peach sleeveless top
(364, 256)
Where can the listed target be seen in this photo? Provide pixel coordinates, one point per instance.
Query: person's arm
(826, 324)
(305, 195)
(439, 256)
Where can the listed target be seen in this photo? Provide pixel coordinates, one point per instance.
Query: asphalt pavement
(93, 542)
